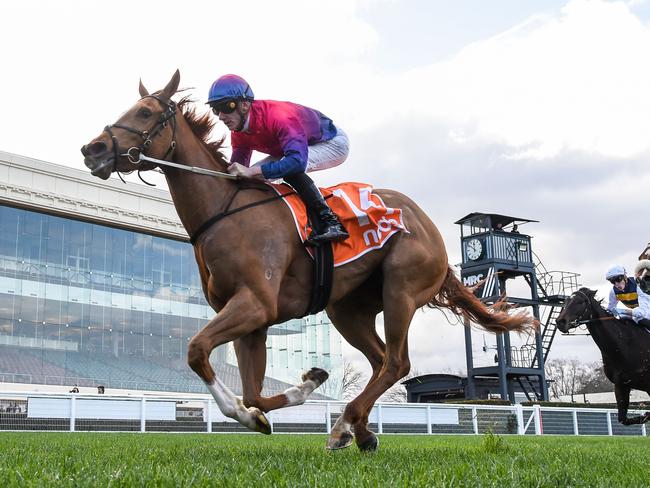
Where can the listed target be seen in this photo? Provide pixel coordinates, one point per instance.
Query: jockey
(641, 314)
(625, 290)
(296, 138)
(642, 275)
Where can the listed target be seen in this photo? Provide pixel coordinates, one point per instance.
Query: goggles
(644, 283)
(224, 107)
(616, 279)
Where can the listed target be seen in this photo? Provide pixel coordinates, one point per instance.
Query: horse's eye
(145, 113)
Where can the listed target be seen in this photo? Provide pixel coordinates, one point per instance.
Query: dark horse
(625, 347)
(255, 271)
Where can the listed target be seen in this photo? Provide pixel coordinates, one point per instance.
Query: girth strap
(323, 254)
(213, 220)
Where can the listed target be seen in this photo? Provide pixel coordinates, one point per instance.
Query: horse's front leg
(242, 315)
(622, 393)
(251, 357)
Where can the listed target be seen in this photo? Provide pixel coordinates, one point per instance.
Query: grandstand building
(99, 286)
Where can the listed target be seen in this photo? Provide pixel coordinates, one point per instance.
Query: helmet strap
(245, 114)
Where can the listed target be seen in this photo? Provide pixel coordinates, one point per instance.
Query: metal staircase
(553, 288)
(548, 332)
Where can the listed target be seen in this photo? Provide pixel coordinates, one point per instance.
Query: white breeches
(643, 310)
(324, 155)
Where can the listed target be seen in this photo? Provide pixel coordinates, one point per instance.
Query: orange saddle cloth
(363, 213)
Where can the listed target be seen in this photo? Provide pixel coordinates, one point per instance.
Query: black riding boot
(331, 230)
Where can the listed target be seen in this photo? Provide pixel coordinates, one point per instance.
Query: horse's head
(577, 307)
(148, 127)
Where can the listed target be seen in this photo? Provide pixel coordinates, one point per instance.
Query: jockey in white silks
(627, 291)
(641, 314)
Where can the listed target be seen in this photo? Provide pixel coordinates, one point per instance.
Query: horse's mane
(201, 125)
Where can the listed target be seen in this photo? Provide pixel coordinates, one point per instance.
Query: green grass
(90, 459)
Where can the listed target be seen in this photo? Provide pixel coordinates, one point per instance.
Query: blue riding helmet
(230, 87)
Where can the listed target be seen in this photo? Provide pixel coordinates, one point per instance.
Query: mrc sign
(489, 285)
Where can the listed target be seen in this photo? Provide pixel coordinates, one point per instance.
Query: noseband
(147, 136)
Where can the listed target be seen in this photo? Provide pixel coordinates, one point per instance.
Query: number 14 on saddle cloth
(363, 213)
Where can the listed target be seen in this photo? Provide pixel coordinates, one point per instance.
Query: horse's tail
(460, 301)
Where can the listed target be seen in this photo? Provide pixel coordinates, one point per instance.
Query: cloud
(574, 81)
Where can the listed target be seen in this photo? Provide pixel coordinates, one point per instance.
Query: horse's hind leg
(411, 277)
(354, 318)
(396, 365)
(251, 358)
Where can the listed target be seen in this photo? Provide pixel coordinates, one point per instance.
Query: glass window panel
(8, 232)
(114, 293)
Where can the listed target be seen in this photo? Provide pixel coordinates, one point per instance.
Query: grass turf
(91, 459)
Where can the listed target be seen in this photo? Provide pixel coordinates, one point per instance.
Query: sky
(538, 109)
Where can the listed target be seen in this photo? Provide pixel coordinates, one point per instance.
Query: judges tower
(494, 252)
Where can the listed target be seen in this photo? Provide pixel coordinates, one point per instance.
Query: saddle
(368, 220)
(363, 213)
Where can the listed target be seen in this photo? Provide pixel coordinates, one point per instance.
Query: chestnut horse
(255, 271)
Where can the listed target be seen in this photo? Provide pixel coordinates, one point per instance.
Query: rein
(131, 155)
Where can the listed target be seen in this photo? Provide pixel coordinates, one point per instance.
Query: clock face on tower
(473, 249)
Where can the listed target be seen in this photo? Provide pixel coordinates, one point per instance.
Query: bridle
(169, 114)
(587, 308)
(136, 155)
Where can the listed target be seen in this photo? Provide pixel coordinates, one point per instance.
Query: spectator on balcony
(100, 389)
(74, 390)
(515, 229)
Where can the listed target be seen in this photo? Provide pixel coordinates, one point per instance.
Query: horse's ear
(172, 86)
(143, 91)
(592, 293)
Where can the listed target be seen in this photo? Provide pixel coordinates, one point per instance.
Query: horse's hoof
(369, 445)
(262, 424)
(341, 443)
(317, 375)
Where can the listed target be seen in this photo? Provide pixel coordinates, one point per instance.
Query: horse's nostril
(94, 149)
